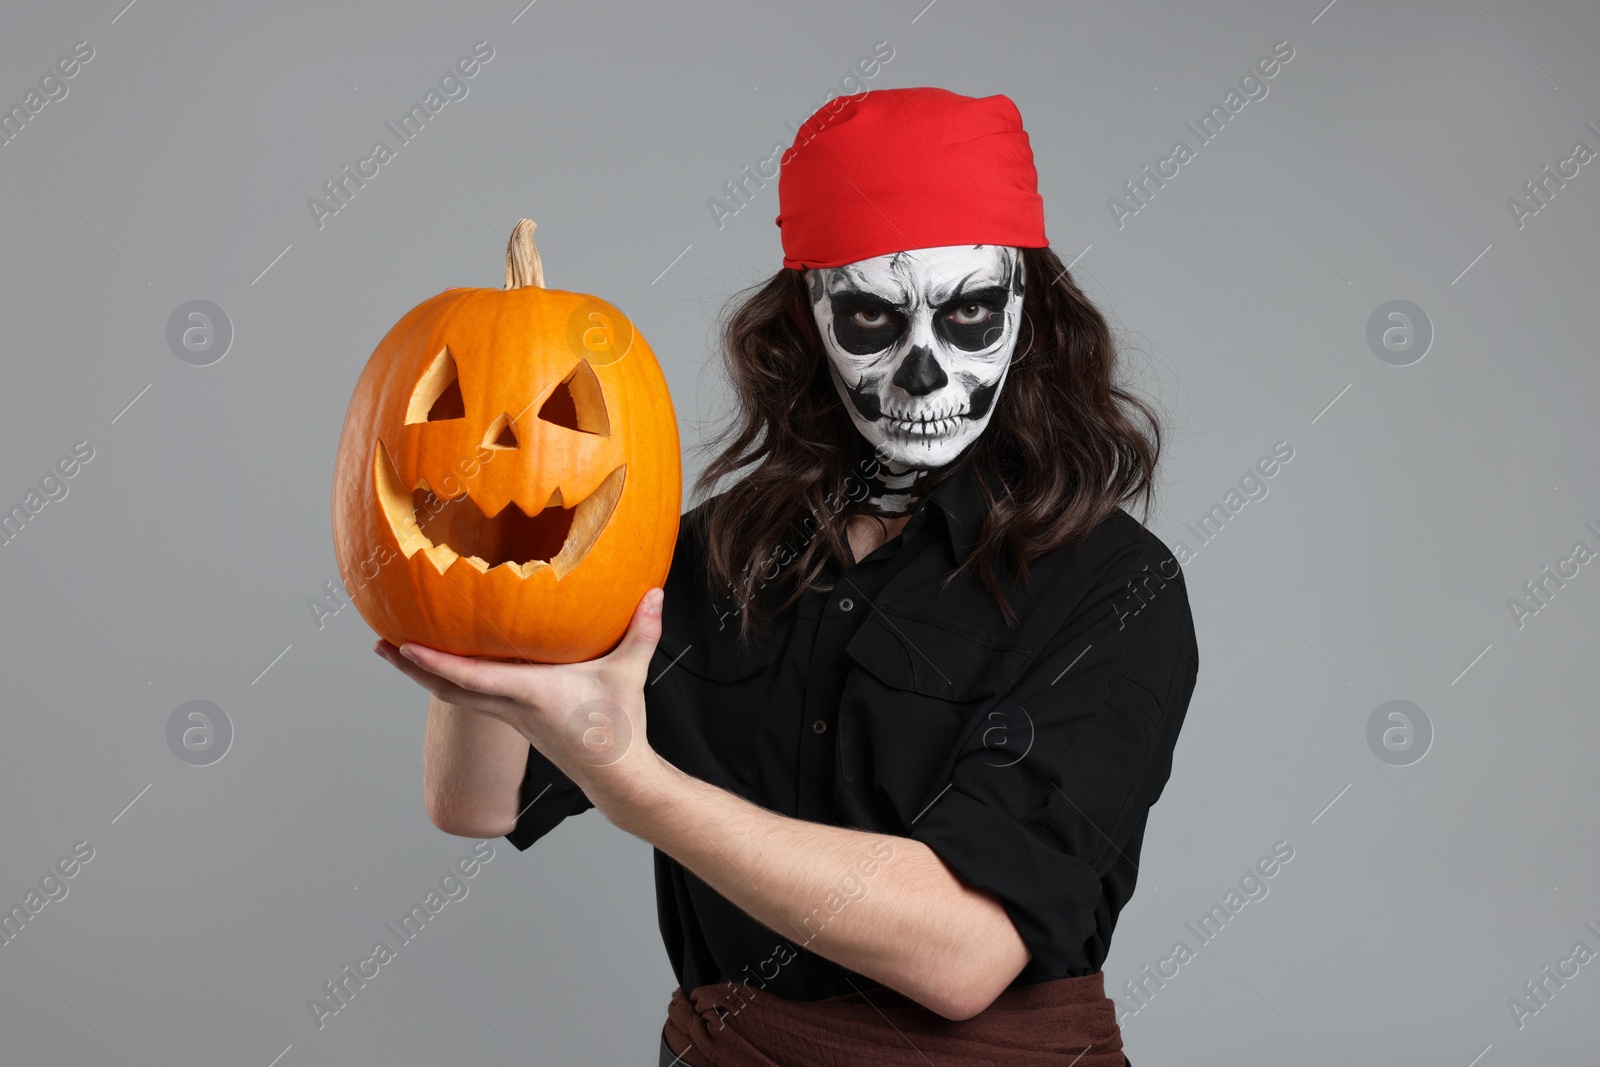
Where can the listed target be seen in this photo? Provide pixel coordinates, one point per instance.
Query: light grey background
(1378, 567)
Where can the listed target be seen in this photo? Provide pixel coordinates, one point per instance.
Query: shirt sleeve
(547, 796)
(1049, 793)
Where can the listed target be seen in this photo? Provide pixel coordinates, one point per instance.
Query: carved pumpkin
(508, 479)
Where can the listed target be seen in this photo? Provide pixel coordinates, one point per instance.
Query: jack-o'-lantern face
(521, 534)
(509, 481)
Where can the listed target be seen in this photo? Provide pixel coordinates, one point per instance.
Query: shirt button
(819, 727)
(845, 605)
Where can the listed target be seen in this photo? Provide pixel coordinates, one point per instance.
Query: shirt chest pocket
(703, 696)
(915, 691)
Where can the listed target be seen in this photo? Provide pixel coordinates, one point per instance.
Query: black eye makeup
(865, 325)
(974, 320)
(971, 321)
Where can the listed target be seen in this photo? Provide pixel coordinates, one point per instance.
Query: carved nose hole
(502, 434)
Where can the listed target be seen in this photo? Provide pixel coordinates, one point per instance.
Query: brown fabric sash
(1068, 1020)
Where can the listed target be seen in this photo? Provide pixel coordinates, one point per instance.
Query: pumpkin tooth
(441, 556)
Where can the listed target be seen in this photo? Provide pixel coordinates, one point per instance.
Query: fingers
(449, 692)
(475, 675)
(441, 687)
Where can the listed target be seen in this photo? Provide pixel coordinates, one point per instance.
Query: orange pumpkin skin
(512, 351)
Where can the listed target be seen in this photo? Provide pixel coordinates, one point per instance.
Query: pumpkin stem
(522, 258)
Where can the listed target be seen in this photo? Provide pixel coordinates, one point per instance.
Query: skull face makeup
(918, 344)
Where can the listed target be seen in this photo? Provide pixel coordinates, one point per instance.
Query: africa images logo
(341, 189)
(341, 989)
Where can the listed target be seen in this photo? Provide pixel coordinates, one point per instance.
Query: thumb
(644, 631)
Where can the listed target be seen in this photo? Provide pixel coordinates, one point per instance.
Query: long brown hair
(1063, 450)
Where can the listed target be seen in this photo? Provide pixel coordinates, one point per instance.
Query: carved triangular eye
(438, 394)
(578, 403)
(501, 434)
(449, 405)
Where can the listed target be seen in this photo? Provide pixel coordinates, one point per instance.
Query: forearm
(913, 926)
(885, 907)
(472, 767)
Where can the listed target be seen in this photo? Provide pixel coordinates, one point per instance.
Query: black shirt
(1026, 759)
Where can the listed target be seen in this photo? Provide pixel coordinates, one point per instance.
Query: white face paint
(919, 343)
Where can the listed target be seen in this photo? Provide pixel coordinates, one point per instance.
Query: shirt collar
(960, 498)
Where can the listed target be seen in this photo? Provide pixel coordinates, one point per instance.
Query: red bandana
(895, 169)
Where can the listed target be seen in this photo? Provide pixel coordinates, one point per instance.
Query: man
(895, 729)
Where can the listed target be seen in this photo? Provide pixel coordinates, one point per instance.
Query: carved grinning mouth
(447, 529)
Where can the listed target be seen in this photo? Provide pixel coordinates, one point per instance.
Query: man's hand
(587, 718)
